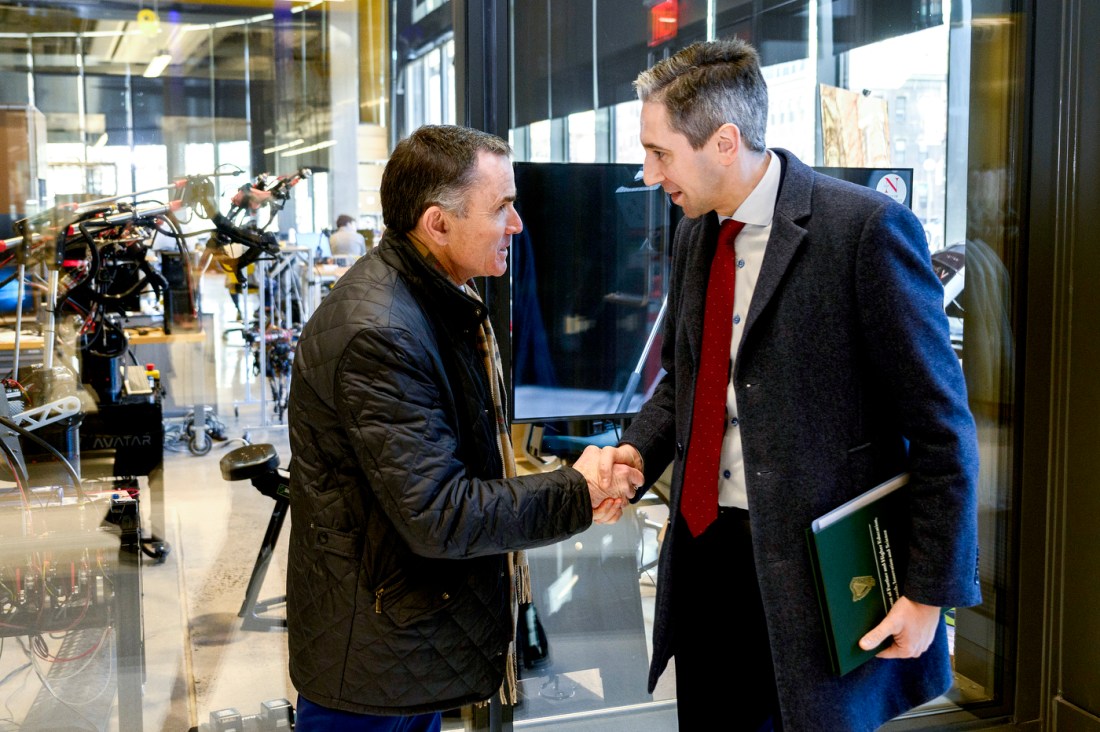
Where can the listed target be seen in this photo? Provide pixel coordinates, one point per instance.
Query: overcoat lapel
(792, 206)
(784, 241)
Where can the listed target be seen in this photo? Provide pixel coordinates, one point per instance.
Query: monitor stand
(531, 450)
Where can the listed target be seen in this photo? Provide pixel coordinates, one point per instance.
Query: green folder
(858, 551)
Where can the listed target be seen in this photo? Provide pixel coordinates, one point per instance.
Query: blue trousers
(310, 717)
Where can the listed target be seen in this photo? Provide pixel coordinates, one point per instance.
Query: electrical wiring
(12, 383)
(11, 596)
(26, 667)
(42, 650)
(14, 671)
(71, 704)
(103, 570)
(79, 618)
(43, 572)
(18, 471)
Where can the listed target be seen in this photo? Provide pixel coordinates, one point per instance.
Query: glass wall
(122, 583)
(933, 88)
(132, 100)
(430, 97)
(109, 99)
(423, 80)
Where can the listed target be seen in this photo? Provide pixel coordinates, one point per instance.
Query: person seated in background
(346, 243)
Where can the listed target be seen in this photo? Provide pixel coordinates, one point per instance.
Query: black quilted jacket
(397, 589)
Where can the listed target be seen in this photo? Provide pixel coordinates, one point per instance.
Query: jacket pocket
(405, 601)
(341, 543)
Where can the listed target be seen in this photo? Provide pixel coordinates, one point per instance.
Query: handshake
(613, 475)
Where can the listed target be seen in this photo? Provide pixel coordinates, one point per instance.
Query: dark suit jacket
(844, 377)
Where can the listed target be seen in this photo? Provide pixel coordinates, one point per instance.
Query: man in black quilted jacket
(407, 515)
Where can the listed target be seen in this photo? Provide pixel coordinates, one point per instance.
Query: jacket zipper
(384, 585)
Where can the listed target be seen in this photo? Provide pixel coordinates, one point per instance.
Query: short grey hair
(434, 166)
(708, 84)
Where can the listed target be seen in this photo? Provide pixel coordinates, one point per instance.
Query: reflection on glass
(582, 137)
(920, 76)
(791, 122)
(539, 145)
(429, 84)
(952, 127)
(628, 145)
(96, 633)
(433, 86)
(593, 595)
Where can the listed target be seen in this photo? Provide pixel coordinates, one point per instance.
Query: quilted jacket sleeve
(391, 399)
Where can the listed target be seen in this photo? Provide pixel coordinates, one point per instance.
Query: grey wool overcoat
(844, 377)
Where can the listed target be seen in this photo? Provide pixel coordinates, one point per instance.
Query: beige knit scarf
(518, 570)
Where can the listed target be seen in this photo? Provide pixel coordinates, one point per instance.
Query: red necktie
(699, 502)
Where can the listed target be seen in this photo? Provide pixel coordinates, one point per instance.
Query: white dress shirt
(756, 212)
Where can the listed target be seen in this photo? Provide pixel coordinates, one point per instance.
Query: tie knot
(729, 230)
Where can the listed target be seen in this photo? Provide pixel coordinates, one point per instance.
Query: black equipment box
(132, 429)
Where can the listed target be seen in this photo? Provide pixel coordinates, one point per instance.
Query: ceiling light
(284, 146)
(158, 65)
(308, 148)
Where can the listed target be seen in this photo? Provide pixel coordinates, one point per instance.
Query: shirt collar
(757, 209)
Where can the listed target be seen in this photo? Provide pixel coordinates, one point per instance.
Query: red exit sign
(663, 21)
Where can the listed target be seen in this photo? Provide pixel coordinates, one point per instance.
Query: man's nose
(650, 175)
(515, 223)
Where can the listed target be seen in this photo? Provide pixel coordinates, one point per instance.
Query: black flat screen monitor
(587, 278)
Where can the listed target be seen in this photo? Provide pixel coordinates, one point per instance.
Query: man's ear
(728, 139)
(435, 225)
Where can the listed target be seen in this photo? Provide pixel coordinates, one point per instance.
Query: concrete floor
(192, 600)
(200, 660)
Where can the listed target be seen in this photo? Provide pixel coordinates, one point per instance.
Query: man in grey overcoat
(841, 375)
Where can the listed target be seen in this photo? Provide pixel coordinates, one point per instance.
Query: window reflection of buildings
(916, 96)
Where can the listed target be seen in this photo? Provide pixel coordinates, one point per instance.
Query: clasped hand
(613, 475)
